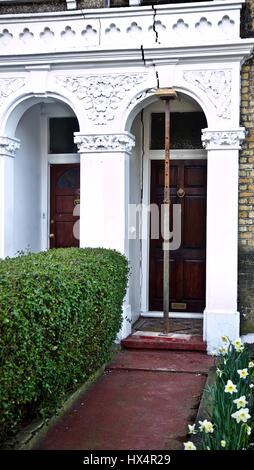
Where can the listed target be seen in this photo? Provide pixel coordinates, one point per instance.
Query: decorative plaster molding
(229, 139)
(217, 85)
(9, 86)
(139, 97)
(101, 94)
(104, 142)
(8, 146)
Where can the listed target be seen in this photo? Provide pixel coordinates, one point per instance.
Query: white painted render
(135, 244)
(104, 65)
(27, 183)
(31, 176)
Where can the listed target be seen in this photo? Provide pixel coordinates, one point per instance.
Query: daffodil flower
(230, 387)
(206, 426)
(192, 429)
(223, 351)
(238, 343)
(243, 373)
(189, 446)
(239, 349)
(240, 402)
(248, 430)
(219, 372)
(223, 443)
(251, 365)
(251, 385)
(242, 415)
(224, 339)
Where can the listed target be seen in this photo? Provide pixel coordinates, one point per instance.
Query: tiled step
(151, 340)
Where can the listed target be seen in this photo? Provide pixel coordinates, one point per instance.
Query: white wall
(27, 183)
(31, 184)
(135, 198)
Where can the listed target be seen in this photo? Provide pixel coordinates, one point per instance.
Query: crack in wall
(154, 25)
(143, 54)
(157, 42)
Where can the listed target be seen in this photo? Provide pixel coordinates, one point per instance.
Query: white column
(8, 148)
(104, 196)
(221, 316)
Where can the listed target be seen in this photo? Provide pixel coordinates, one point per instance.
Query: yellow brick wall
(246, 183)
(246, 180)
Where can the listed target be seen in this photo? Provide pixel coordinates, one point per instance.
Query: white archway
(25, 170)
(222, 141)
(145, 96)
(140, 167)
(15, 106)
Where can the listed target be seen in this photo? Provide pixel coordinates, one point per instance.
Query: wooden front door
(188, 263)
(64, 197)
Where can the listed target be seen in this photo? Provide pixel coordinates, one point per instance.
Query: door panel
(193, 285)
(188, 263)
(194, 214)
(64, 196)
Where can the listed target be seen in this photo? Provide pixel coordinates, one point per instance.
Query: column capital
(230, 139)
(8, 146)
(94, 143)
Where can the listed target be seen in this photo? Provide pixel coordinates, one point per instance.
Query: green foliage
(60, 312)
(230, 421)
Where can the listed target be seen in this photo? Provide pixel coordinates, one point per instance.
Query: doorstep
(155, 340)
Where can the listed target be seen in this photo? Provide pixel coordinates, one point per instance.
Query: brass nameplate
(178, 306)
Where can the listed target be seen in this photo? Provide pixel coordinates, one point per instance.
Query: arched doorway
(43, 192)
(188, 176)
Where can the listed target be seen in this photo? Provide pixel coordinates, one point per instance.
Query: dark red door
(188, 263)
(64, 199)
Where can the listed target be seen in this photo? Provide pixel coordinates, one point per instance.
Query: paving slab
(133, 409)
(162, 360)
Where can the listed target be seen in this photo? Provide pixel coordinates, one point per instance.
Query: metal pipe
(166, 221)
(166, 94)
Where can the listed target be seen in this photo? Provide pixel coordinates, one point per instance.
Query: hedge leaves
(60, 312)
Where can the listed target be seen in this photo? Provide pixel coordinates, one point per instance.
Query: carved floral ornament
(101, 95)
(230, 139)
(104, 142)
(9, 86)
(8, 146)
(217, 85)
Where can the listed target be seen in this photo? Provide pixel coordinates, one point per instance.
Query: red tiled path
(143, 401)
(179, 361)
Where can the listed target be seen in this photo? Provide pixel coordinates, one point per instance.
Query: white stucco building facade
(103, 67)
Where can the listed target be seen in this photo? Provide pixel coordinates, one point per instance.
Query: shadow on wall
(246, 290)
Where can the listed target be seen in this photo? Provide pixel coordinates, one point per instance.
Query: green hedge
(60, 312)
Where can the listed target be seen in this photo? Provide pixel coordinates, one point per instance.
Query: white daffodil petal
(189, 446)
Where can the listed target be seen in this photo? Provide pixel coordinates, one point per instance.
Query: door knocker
(180, 192)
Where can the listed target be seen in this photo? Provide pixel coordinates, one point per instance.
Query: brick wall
(246, 182)
(47, 5)
(90, 3)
